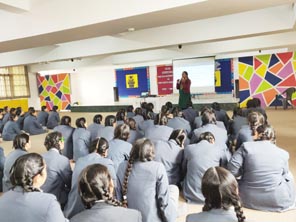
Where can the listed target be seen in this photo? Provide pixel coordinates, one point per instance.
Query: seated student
(59, 173)
(178, 122)
(21, 145)
(138, 116)
(2, 162)
(95, 126)
(67, 131)
(119, 149)
(107, 132)
(221, 114)
(6, 115)
(170, 153)
(266, 182)
(134, 134)
(96, 191)
(148, 122)
(143, 185)
(159, 131)
(25, 202)
(42, 116)
(21, 117)
(31, 124)
(97, 154)
(247, 132)
(130, 111)
(120, 117)
(81, 139)
(190, 114)
(237, 122)
(197, 159)
(11, 129)
(220, 191)
(53, 118)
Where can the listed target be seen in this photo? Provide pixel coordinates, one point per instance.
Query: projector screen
(201, 72)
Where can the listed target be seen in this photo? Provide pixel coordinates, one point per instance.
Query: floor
(284, 122)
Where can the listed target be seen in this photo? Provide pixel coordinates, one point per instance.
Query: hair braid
(109, 199)
(238, 210)
(207, 206)
(125, 182)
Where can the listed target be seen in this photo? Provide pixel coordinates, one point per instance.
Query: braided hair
(255, 119)
(220, 190)
(94, 185)
(99, 145)
(24, 169)
(179, 135)
(208, 116)
(208, 136)
(20, 141)
(266, 132)
(143, 150)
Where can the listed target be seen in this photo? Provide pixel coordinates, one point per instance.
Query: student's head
(169, 105)
(185, 74)
(19, 111)
(208, 136)
(54, 140)
(99, 145)
(12, 110)
(43, 108)
(176, 112)
(6, 109)
(237, 111)
(216, 106)
(266, 132)
(66, 120)
(179, 136)
(98, 119)
(22, 141)
(205, 109)
(120, 115)
(122, 132)
(32, 111)
(255, 119)
(13, 117)
(139, 111)
(208, 117)
(130, 109)
(164, 110)
(257, 102)
(161, 119)
(28, 172)
(55, 108)
(95, 184)
(81, 122)
(150, 107)
(132, 123)
(144, 105)
(250, 104)
(143, 151)
(220, 190)
(110, 120)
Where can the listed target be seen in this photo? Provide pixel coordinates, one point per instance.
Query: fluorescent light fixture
(55, 72)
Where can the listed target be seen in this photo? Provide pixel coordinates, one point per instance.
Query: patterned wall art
(265, 77)
(54, 90)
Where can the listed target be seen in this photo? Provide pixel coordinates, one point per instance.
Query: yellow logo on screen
(131, 81)
(217, 78)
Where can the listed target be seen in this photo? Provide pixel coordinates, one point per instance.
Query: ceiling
(40, 31)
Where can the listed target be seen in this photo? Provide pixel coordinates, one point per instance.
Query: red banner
(165, 79)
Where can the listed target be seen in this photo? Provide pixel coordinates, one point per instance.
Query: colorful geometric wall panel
(54, 90)
(266, 76)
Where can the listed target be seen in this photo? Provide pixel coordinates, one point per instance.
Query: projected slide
(201, 72)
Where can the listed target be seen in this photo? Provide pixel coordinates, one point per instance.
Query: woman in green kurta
(184, 90)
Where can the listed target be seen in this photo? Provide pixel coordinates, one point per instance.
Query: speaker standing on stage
(184, 90)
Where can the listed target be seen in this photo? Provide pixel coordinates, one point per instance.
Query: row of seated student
(14, 121)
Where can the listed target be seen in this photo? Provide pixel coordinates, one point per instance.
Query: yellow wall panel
(15, 103)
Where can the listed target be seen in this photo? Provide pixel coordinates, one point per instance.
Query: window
(14, 82)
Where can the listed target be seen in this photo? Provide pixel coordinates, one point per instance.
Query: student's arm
(54, 213)
(66, 174)
(236, 162)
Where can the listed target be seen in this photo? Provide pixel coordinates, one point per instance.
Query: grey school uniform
(107, 132)
(179, 123)
(145, 124)
(10, 159)
(222, 116)
(5, 118)
(67, 132)
(81, 142)
(148, 191)
(197, 159)
(217, 215)
(74, 204)
(244, 135)
(103, 212)
(59, 175)
(119, 151)
(266, 183)
(189, 114)
(236, 124)
(53, 119)
(94, 129)
(171, 155)
(10, 130)
(20, 122)
(158, 132)
(2, 162)
(42, 118)
(134, 135)
(17, 205)
(32, 126)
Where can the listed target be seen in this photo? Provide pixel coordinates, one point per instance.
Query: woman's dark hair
(179, 136)
(169, 105)
(185, 72)
(220, 190)
(120, 115)
(43, 108)
(52, 140)
(149, 115)
(161, 119)
(205, 109)
(110, 120)
(139, 111)
(208, 136)
(12, 116)
(131, 123)
(144, 105)
(24, 169)
(55, 108)
(255, 119)
(143, 150)
(150, 107)
(251, 104)
(98, 119)
(20, 141)
(100, 145)
(257, 102)
(266, 132)
(208, 117)
(80, 122)
(66, 120)
(176, 112)
(5, 108)
(130, 109)
(237, 111)
(216, 106)
(19, 111)
(122, 132)
(94, 184)
(164, 110)
(12, 110)
(31, 110)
